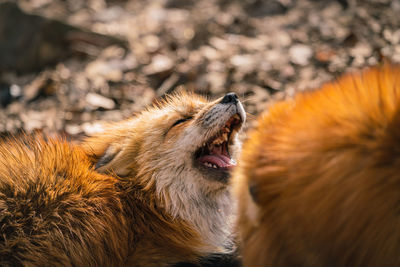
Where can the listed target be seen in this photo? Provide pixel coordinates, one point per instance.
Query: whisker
(250, 116)
(247, 99)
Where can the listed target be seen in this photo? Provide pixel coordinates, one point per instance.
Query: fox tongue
(218, 158)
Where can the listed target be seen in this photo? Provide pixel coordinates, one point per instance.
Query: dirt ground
(262, 50)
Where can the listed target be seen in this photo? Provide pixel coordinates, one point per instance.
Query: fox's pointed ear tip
(111, 161)
(109, 155)
(104, 160)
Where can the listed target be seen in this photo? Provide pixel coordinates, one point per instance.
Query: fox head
(183, 146)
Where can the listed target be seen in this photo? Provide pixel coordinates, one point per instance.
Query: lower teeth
(210, 165)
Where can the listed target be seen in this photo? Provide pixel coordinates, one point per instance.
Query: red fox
(318, 180)
(149, 191)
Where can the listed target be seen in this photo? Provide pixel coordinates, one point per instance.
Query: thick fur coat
(319, 178)
(55, 209)
(134, 195)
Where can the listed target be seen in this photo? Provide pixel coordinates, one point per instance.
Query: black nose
(229, 98)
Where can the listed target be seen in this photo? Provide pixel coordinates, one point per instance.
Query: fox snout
(223, 109)
(217, 127)
(230, 98)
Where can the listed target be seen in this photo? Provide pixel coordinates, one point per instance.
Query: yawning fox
(148, 191)
(318, 180)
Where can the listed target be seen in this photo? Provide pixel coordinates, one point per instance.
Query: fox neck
(207, 207)
(209, 212)
(213, 218)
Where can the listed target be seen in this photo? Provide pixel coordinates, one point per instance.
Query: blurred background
(68, 65)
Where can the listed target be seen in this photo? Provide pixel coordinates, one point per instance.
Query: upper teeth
(223, 134)
(220, 139)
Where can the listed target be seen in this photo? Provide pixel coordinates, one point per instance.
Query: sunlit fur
(126, 197)
(55, 210)
(319, 178)
(155, 162)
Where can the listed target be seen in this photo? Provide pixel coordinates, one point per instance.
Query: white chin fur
(204, 203)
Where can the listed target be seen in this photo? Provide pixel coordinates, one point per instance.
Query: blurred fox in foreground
(318, 180)
(149, 191)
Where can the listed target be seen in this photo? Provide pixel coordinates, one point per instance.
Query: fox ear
(110, 153)
(112, 161)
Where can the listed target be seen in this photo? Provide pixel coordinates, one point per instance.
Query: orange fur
(142, 146)
(55, 209)
(128, 196)
(318, 180)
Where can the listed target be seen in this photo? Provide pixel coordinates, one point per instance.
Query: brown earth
(117, 56)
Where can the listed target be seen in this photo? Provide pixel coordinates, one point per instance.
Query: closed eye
(180, 121)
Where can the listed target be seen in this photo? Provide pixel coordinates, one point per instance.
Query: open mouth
(214, 154)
